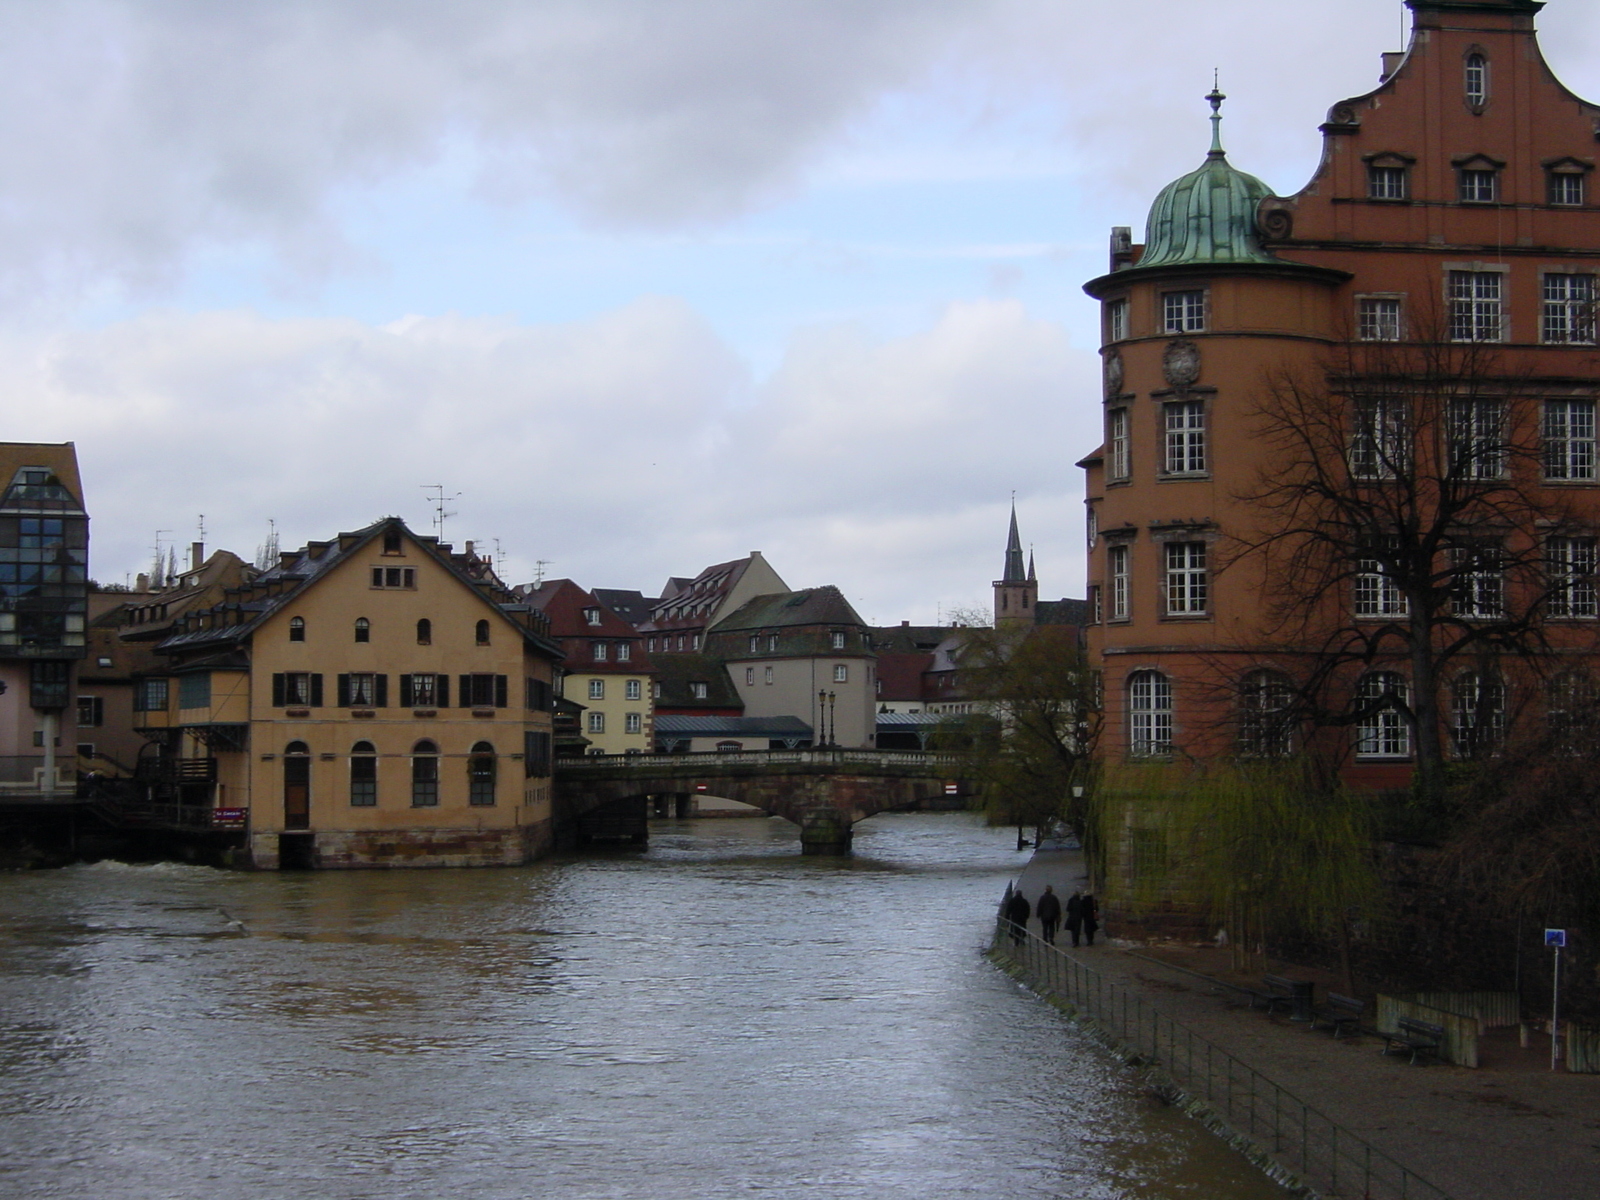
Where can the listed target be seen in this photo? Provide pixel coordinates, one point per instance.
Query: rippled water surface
(716, 1017)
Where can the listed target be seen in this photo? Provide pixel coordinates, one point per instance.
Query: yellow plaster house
(373, 700)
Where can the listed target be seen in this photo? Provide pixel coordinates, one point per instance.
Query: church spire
(1014, 569)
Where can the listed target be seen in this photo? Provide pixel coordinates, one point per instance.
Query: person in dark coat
(1075, 916)
(1091, 918)
(1017, 912)
(1048, 911)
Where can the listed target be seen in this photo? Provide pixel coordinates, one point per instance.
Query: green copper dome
(1208, 216)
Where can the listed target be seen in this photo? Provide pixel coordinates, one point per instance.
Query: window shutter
(405, 691)
(528, 693)
(277, 689)
(381, 692)
(527, 750)
(499, 691)
(316, 690)
(344, 692)
(465, 699)
(442, 682)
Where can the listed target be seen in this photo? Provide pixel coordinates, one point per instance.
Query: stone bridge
(824, 791)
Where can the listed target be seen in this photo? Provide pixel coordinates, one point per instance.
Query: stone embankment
(1509, 1130)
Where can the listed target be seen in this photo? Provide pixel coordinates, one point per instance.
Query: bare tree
(1404, 521)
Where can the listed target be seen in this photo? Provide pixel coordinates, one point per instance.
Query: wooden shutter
(465, 698)
(277, 689)
(405, 691)
(343, 687)
(316, 690)
(380, 691)
(499, 691)
(442, 686)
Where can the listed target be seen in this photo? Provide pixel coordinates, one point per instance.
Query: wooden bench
(1419, 1037)
(1279, 993)
(1341, 1013)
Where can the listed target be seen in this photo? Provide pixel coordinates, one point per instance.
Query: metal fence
(1304, 1143)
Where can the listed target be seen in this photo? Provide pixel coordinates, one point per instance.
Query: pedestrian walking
(1075, 916)
(1017, 912)
(1091, 917)
(1048, 911)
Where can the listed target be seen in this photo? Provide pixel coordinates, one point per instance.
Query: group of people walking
(1083, 915)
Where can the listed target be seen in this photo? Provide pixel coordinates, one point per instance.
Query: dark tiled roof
(813, 606)
(675, 672)
(632, 606)
(692, 725)
(900, 674)
(906, 637)
(1061, 612)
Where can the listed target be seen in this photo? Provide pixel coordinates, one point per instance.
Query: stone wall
(356, 849)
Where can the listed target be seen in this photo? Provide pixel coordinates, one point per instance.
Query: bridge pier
(825, 831)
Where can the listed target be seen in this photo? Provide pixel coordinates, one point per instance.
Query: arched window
(1382, 730)
(424, 775)
(481, 774)
(363, 775)
(297, 786)
(363, 630)
(483, 633)
(1477, 80)
(1266, 728)
(424, 632)
(1149, 714)
(297, 629)
(1477, 713)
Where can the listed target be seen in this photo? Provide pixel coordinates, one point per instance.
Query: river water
(714, 1017)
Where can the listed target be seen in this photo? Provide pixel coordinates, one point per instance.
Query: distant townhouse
(689, 607)
(606, 669)
(371, 700)
(44, 606)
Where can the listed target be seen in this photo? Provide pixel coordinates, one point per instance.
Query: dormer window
(391, 542)
(1477, 80)
(591, 616)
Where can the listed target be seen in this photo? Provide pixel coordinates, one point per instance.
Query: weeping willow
(1261, 850)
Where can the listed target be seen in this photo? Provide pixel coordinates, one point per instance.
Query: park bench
(1340, 1012)
(1419, 1037)
(1290, 995)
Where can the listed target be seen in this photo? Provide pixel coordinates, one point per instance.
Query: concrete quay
(1509, 1130)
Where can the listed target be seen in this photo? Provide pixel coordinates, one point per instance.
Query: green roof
(1207, 217)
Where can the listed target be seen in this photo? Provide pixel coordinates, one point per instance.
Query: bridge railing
(917, 761)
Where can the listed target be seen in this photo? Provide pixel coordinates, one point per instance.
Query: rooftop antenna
(202, 527)
(158, 572)
(439, 501)
(538, 571)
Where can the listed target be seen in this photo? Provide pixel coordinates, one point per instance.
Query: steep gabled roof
(813, 606)
(631, 605)
(564, 603)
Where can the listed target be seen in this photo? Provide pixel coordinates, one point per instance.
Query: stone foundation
(333, 850)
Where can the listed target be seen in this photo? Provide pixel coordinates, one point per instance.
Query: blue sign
(1555, 937)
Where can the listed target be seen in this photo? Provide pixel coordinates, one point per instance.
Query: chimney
(469, 549)
(1391, 60)
(141, 582)
(197, 555)
(1121, 247)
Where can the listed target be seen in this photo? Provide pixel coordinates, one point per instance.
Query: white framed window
(601, 651)
(1570, 569)
(597, 689)
(1478, 589)
(1118, 463)
(749, 676)
(1566, 313)
(755, 642)
(1477, 185)
(768, 676)
(1377, 594)
(1477, 439)
(1378, 443)
(634, 689)
(1117, 571)
(1186, 578)
(1569, 708)
(1186, 437)
(1378, 318)
(591, 616)
(1149, 714)
(1183, 312)
(772, 643)
(624, 651)
(1091, 522)
(597, 722)
(1386, 182)
(1116, 320)
(1382, 731)
(1566, 188)
(836, 639)
(841, 673)
(1569, 449)
(633, 722)
(1476, 80)
(1477, 312)
(699, 690)
(1477, 713)
(1265, 705)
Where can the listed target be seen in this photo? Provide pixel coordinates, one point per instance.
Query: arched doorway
(297, 786)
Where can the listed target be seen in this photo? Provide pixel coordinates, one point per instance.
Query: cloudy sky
(643, 284)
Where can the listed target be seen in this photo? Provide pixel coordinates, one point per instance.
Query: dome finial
(1216, 98)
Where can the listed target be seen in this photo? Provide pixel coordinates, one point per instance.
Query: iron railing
(1306, 1145)
(913, 761)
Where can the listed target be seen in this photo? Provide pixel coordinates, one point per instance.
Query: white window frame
(1386, 181)
(1384, 733)
(1569, 439)
(841, 673)
(1119, 463)
(1478, 438)
(1377, 596)
(1378, 448)
(597, 722)
(597, 689)
(1480, 582)
(1477, 713)
(1566, 189)
(1378, 318)
(1475, 79)
(1567, 308)
(1149, 714)
(1570, 564)
(1477, 185)
(1184, 311)
(1184, 422)
(1117, 571)
(1116, 320)
(633, 722)
(1476, 303)
(1186, 578)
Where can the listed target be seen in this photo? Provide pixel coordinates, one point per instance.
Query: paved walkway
(1509, 1130)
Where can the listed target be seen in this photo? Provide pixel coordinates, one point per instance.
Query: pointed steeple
(1033, 576)
(1014, 568)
